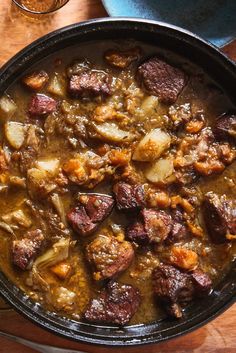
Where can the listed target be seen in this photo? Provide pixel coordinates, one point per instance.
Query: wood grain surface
(219, 336)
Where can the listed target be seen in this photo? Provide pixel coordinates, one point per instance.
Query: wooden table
(218, 336)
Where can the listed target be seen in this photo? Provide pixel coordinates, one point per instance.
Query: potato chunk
(160, 170)
(15, 133)
(56, 86)
(152, 146)
(50, 166)
(149, 104)
(7, 107)
(111, 132)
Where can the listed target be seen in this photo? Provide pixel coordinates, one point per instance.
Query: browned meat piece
(36, 80)
(172, 287)
(108, 256)
(128, 196)
(91, 83)
(175, 288)
(170, 284)
(25, 250)
(152, 227)
(41, 105)
(179, 229)
(136, 232)
(91, 210)
(225, 128)
(161, 79)
(115, 305)
(202, 282)
(220, 217)
(157, 223)
(121, 59)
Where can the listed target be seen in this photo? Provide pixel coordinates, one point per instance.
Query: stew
(117, 182)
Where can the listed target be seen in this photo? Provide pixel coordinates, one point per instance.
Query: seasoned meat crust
(115, 305)
(36, 80)
(152, 226)
(108, 256)
(179, 229)
(26, 249)
(225, 127)
(128, 196)
(89, 84)
(220, 217)
(174, 287)
(90, 211)
(42, 105)
(202, 282)
(121, 58)
(161, 79)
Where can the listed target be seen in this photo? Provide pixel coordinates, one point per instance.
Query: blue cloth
(214, 20)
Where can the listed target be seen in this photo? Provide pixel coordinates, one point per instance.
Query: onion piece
(59, 207)
(57, 253)
(7, 228)
(17, 217)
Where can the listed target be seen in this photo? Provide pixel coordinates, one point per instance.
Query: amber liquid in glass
(40, 5)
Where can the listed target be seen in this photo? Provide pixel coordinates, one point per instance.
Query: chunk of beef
(136, 232)
(172, 287)
(152, 227)
(89, 84)
(171, 284)
(36, 80)
(175, 288)
(220, 217)
(128, 197)
(41, 105)
(108, 256)
(25, 250)
(121, 58)
(179, 229)
(157, 224)
(161, 79)
(225, 127)
(115, 305)
(91, 210)
(202, 282)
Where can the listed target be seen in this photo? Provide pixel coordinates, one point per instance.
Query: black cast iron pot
(224, 72)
